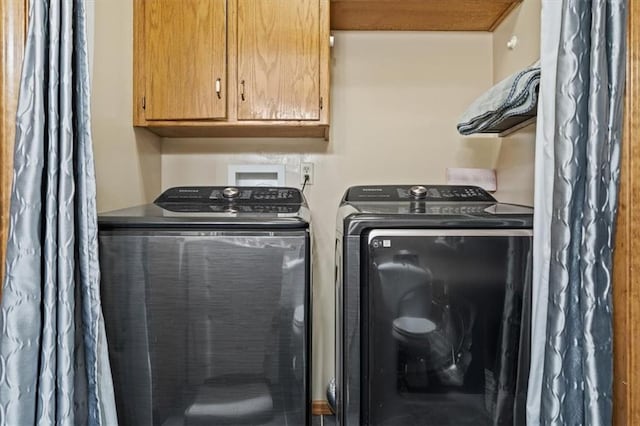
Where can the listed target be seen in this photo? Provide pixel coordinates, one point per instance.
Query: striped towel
(515, 95)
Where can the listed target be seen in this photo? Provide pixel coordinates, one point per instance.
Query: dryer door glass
(207, 327)
(445, 327)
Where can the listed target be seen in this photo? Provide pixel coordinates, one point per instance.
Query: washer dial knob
(230, 192)
(418, 191)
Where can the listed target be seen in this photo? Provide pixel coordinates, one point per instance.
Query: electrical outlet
(306, 169)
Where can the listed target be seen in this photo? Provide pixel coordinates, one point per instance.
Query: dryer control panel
(427, 193)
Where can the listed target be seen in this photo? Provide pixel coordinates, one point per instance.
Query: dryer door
(445, 327)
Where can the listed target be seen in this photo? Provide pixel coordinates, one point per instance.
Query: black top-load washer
(206, 298)
(433, 307)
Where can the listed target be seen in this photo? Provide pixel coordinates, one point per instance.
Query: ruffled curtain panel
(577, 177)
(54, 365)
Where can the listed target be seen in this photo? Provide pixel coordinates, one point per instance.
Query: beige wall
(127, 160)
(515, 166)
(396, 98)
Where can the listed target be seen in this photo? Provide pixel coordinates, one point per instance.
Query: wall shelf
(510, 125)
(516, 123)
(420, 15)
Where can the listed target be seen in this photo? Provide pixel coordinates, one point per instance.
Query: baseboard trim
(320, 408)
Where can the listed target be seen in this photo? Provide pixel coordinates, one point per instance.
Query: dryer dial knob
(230, 192)
(418, 191)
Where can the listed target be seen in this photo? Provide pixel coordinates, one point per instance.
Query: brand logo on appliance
(372, 189)
(188, 190)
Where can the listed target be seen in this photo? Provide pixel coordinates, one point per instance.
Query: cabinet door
(278, 60)
(185, 59)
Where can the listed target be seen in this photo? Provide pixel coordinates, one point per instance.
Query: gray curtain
(578, 363)
(53, 358)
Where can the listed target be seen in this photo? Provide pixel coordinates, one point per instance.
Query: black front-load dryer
(433, 307)
(206, 298)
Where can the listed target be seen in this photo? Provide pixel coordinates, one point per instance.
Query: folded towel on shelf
(515, 95)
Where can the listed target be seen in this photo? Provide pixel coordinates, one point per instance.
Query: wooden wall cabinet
(232, 67)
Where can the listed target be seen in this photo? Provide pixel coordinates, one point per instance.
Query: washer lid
(427, 206)
(217, 206)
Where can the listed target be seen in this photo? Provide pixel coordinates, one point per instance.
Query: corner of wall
(128, 160)
(515, 165)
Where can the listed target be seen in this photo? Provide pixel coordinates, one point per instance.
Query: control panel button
(418, 191)
(230, 192)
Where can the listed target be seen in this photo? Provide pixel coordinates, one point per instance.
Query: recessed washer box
(256, 175)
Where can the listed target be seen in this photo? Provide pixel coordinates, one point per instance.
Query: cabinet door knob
(242, 91)
(219, 88)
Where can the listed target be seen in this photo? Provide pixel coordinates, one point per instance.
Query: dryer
(433, 307)
(206, 298)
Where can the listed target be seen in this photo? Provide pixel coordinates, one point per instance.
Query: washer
(206, 298)
(433, 307)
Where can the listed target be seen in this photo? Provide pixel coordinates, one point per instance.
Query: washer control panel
(429, 193)
(215, 195)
